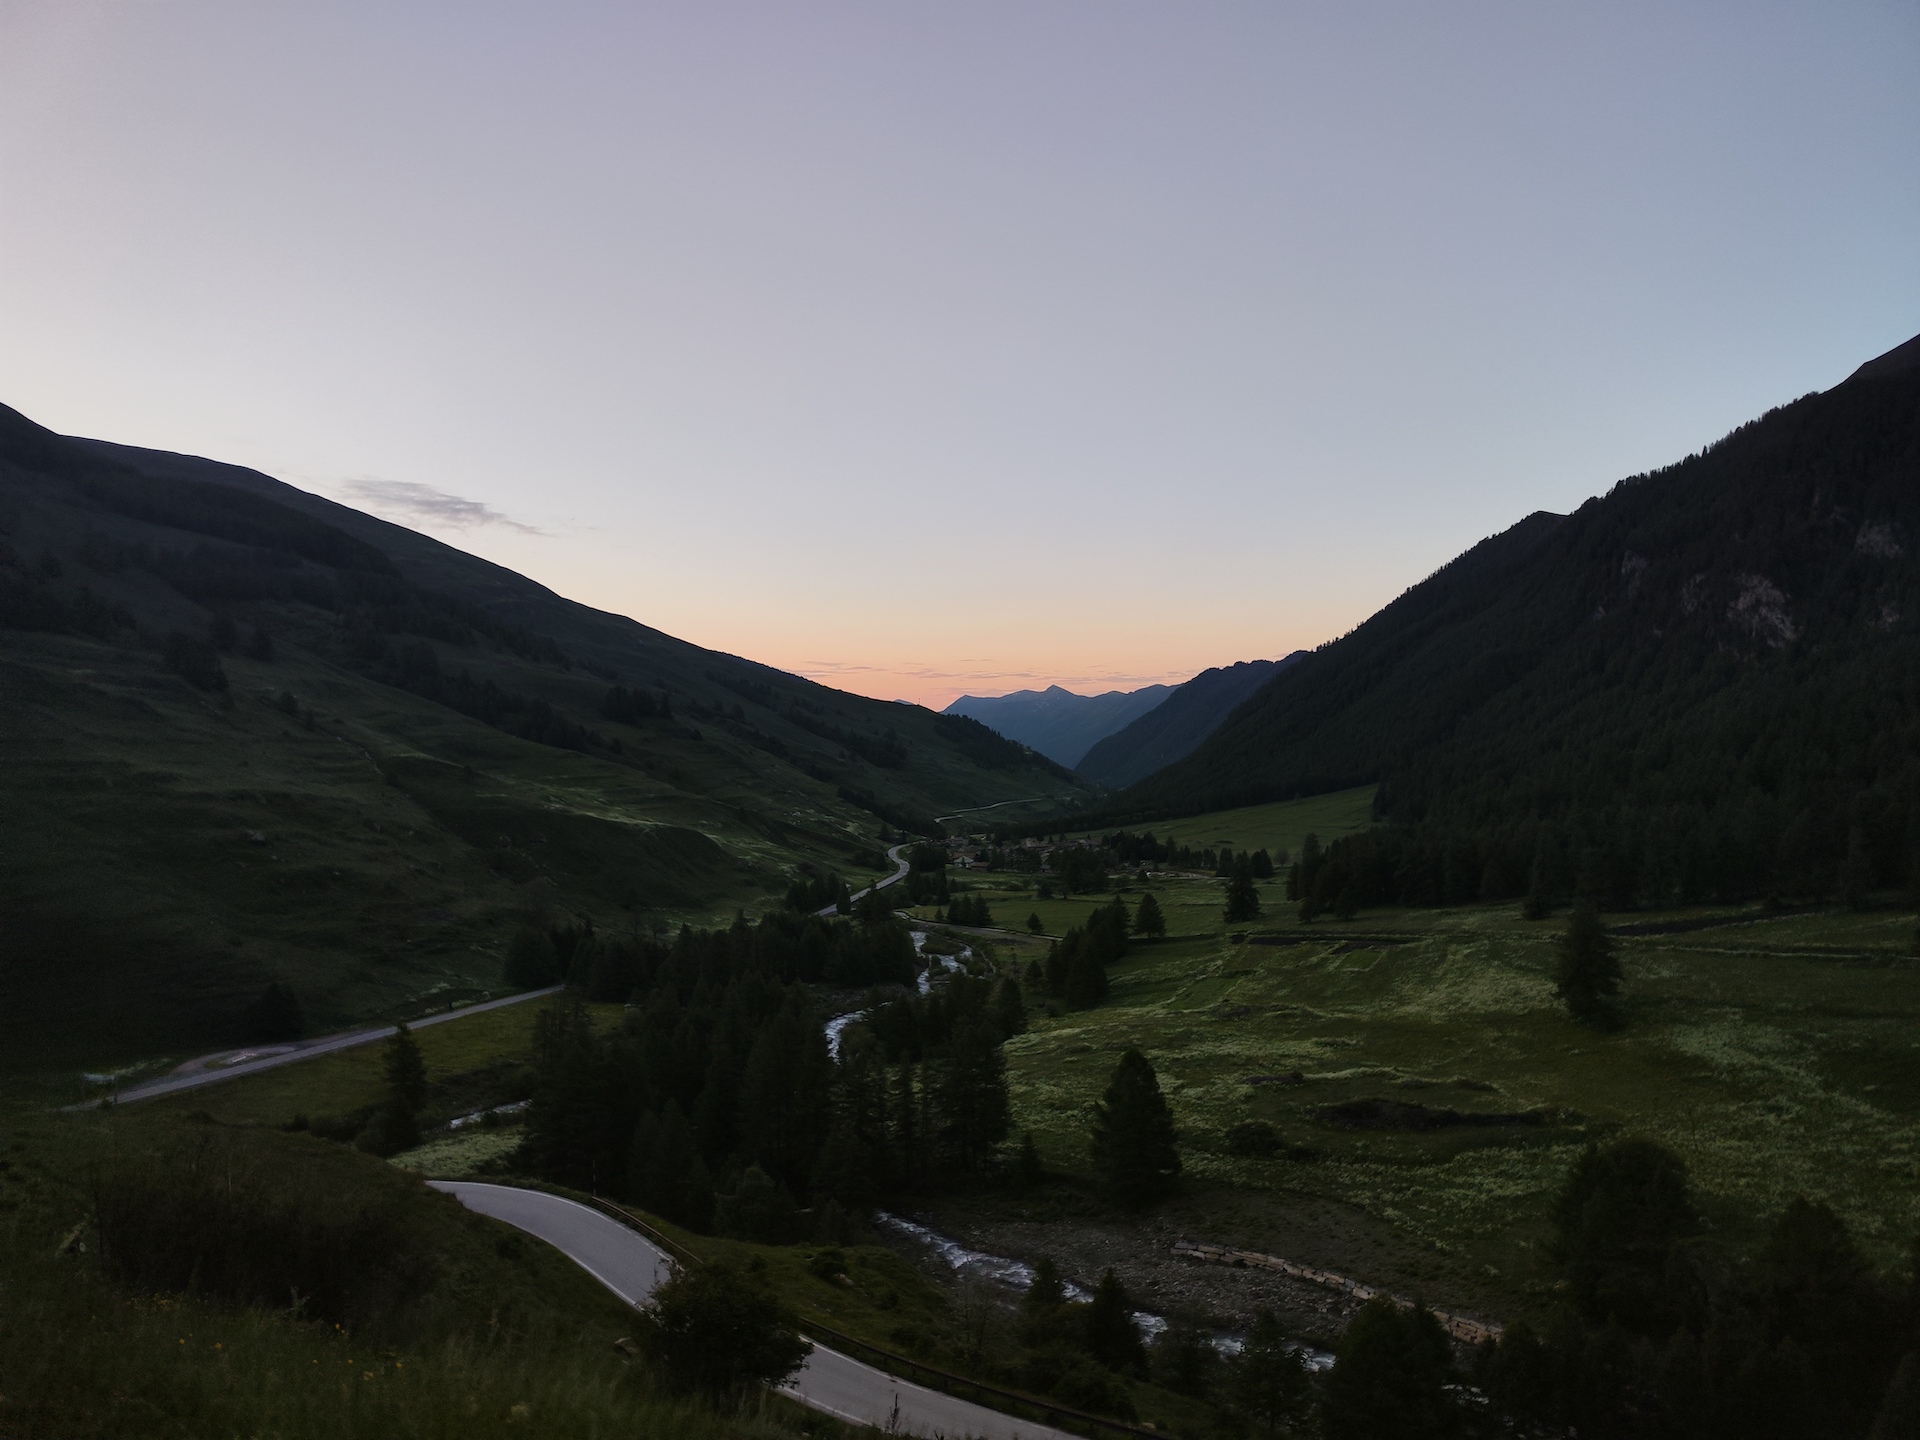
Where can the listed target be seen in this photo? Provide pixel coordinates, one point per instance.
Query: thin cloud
(410, 502)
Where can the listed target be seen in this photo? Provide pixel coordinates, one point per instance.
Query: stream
(924, 980)
(1018, 1275)
(1003, 1270)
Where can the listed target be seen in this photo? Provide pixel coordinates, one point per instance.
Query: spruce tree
(1270, 1383)
(1147, 919)
(1391, 1378)
(1134, 1144)
(405, 1069)
(1042, 1307)
(1243, 898)
(1588, 974)
(1033, 923)
(1112, 1337)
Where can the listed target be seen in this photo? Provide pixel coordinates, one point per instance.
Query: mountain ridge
(1056, 721)
(1661, 695)
(311, 747)
(1175, 728)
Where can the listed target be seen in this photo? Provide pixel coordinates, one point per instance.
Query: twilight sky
(928, 348)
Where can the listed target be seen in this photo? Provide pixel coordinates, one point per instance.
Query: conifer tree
(1243, 898)
(405, 1069)
(1086, 980)
(1270, 1383)
(1134, 1144)
(1588, 973)
(1147, 919)
(1043, 1304)
(1112, 1337)
(1034, 924)
(1390, 1378)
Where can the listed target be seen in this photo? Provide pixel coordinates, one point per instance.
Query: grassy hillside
(419, 1318)
(1775, 1055)
(253, 737)
(1705, 685)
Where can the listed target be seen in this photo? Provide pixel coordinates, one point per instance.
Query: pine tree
(1262, 865)
(406, 1070)
(1243, 898)
(1147, 919)
(1112, 1337)
(1086, 982)
(1033, 923)
(968, 1092)
(1134, 1144)
(1390, 1378)
(1588, 973)
(1270, 1382)
(1042, 1307)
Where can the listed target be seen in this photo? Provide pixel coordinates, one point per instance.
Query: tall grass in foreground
(193, 1280)
(79, 1359)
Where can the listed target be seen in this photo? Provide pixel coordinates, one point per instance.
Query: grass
(511, 1339)
(473, 1062)
(1275, 827)
(1778, 1056)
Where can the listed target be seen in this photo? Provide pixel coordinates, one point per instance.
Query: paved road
(195, 1073)
(628, 1265)
(900, 873)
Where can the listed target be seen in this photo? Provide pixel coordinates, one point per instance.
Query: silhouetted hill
(1055, 721)
(253, 735)
(1705, 684)
(1174, 728)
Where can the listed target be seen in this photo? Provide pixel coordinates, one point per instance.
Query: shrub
(712, 1332)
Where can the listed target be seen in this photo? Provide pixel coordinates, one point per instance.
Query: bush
(712, 1332)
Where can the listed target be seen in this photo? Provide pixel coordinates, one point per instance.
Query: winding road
(900, 862)
(230, 1064)
(630, 1266)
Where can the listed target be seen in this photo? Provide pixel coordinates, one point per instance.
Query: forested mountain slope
(1055, 721)
(255, 736)
(1174, 728)
(1705, 683)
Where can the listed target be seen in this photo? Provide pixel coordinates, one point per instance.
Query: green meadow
(1779, 1056)
(1277, 827)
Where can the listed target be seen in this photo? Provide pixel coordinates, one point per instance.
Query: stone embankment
(1470, 1332)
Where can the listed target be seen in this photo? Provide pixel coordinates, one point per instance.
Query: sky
(937, 348)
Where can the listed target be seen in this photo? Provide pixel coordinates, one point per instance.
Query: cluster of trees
(967, 910)
(1672, 1331)
(815, 890)
(415, 666)
(1826, 850)
(792, 947)
(1075, 969)
(1080, 869)
(30, 600)
(1666, 1331)
(716, 1101)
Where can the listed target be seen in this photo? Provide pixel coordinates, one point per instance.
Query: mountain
(253, 736)
(1058, 723)
(1174, 728)
(1705, 684)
